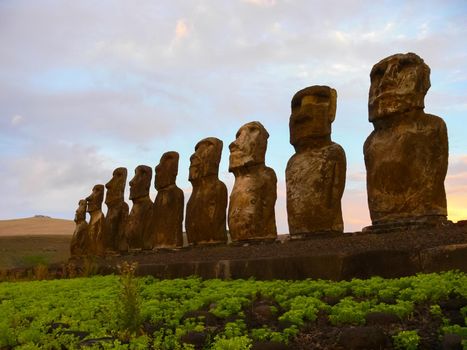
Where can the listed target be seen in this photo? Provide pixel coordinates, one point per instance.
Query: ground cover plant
(125, 312)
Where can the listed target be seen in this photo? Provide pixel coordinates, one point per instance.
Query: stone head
(399, 84)
(205, 161)
(313, 111)
(166, 170)
(249, 147)
(141, 182)
(116, 186)
(94, 200)
(80, 213)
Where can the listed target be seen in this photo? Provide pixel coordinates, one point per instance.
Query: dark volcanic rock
(363, 338)
(198, 339)
(269, 345)
(452, 342)
(381, 318)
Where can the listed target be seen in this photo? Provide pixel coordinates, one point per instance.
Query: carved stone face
(313, 111)
(141, 182)
(399, 84)
(116, 186)
(205, 161)
(94, 200)
(249, 147)
(80, 213)
(166, 170)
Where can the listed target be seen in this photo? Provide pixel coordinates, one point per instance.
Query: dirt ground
(31, 241)
(40, 225)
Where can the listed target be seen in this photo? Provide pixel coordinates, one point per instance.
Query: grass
(29, 251)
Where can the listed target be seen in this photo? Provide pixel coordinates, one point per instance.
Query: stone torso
(251, 208)
(115, 222)
(315, 182)
(96, 232)
(167, 218)
(406, 165)
(138, 222)
(206, 212)
(80, 241)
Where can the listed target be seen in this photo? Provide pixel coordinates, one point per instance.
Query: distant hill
(38, 225)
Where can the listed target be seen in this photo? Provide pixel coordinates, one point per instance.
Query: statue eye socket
(377, 73)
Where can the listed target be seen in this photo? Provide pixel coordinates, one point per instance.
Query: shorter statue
(139, 220)
(80, 241)
(406, 156)
(117, 213)
(166, 231)
(96, 223)
(251, 209)
(315, 175)
(206, 209)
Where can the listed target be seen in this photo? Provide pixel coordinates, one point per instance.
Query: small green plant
(235, 343)
(349, 311)
(406, 340)
(128, 303)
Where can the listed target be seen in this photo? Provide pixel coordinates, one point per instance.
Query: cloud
(262, 3)
(16, 119)
(50, 178)
(181, 29)
(125, 85)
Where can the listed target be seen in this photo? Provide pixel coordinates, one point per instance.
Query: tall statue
(80, 241)
(206, 209)
(166, 231)
(117, 213)
(139, 219)
(251, 209)
(315, 174)
(96, 223)
(406, 156)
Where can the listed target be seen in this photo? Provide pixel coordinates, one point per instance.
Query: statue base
(412, 224)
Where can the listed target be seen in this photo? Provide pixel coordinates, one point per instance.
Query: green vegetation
(406, 340)
(138, 313)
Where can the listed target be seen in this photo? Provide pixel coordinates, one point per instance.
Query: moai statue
(251, 209)
(96, 223)
(168, 205)
(117, 213)
(406, 156)
(206, 209)
(315, 174)
(80, 241)
(140, 216)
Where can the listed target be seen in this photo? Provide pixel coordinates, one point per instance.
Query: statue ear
(333, 105)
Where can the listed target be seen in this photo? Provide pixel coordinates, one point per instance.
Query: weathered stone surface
(80, 240)
(251, 209)
(444, 258)
(452, 342)
(139, 220)
(206, 209)
(406, 156)
(166, 230)
(315, 174)
(363, 338)
(117, 212)
(381, 318)
(96, 223)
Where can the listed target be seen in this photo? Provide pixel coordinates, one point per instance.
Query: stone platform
(335, 257)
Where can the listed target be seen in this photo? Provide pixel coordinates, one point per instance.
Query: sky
(89, 86)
